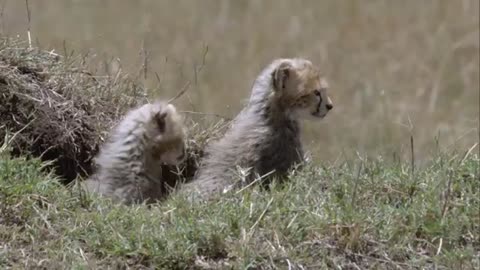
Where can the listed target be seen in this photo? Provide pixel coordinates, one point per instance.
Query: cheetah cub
(129, 164)
(265, 137)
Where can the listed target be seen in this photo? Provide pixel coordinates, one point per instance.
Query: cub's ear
(160, 120)
(280, 76)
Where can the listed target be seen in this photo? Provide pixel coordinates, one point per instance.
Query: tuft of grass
(360, 214)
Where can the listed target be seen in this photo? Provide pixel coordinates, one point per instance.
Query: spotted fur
(129, 164)
(264, 138)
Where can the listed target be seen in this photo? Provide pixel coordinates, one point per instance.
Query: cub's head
(300, 89)
(167, 134)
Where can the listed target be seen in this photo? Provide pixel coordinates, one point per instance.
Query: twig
(254, 181)
(459, 138)
(169, 211)
(439, 249)
(354, 193)
(446, 196)
(184, 89)
(188, 83)
(158, 76)
(2, 10)
(445, 208)
(250, 232)
(28, 26)
(159, 80)
(211, 114)
(65, 51)
(145, 60)
(42, 217)
(7, 141)
(291, 221)
(468, 153)
(289, 264)
(412, 156)
(413, 187)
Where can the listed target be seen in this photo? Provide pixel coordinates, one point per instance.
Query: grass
(397, 71)
(360, 214)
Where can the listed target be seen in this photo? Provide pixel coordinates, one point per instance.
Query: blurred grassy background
(395, 67)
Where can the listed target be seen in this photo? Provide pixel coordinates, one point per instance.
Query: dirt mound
(59, 110)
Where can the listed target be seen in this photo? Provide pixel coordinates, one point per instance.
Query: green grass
(363, 213)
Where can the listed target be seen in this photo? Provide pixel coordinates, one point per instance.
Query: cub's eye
(316, 92)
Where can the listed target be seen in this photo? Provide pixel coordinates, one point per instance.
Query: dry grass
(395, 67)
(57, 109)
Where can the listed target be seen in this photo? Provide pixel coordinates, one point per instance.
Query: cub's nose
(329, 106)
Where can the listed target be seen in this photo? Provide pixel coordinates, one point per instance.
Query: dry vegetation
(395, 67)
(56, 108)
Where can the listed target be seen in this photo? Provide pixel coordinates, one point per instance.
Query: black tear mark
(319, 104)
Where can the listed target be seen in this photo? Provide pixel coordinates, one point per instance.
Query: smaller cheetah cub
(129, 164)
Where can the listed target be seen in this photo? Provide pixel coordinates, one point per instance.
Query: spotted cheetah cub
(129, 164)
(265, 137)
